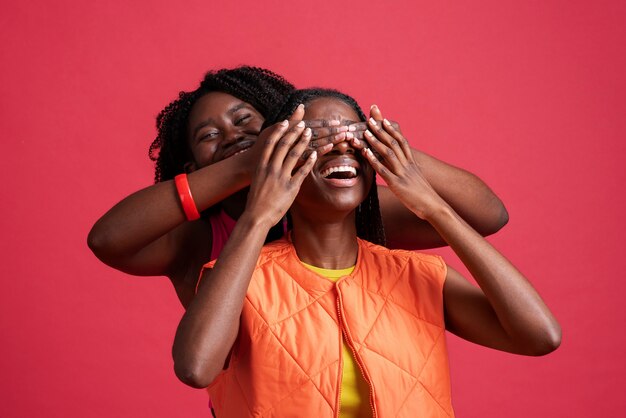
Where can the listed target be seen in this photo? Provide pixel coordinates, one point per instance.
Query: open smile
(238, 148)
(341, 171)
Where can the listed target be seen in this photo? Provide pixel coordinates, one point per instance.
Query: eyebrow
(210, 120)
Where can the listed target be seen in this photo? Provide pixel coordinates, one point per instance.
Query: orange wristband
(186, 199)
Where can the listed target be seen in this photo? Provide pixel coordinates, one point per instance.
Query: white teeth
(241, 151)
(341, 168)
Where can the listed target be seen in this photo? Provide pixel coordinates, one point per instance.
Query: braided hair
(262, 89)
(369, 223)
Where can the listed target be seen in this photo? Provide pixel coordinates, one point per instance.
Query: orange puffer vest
(286, 361)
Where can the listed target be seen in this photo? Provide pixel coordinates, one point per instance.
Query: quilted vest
(286, 361)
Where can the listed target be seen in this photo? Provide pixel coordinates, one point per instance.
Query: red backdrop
(528, 95)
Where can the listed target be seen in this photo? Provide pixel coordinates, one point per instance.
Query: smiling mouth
(241, 151)
(237, 149)
(342, 172)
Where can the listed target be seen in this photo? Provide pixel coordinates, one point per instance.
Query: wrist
(253, 222)
(439, 213)
(245, 165)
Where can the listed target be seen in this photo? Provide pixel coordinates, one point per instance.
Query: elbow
(547, 342)
(498, 218)
(502, 218)
(193, 375)
(98, 242)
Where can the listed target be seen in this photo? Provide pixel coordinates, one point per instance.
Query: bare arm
(506, 312)
(210, 325)
(141, 235)
(467, 194)
(146, 234)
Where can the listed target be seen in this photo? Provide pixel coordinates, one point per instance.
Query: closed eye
(243, 119)
(208, 135)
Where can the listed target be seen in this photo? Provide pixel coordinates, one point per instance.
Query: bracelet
(186, 199)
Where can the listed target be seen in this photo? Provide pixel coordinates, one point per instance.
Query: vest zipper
(346, 334)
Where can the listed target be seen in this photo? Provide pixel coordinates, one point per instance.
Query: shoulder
(275, 252)
(378, 252)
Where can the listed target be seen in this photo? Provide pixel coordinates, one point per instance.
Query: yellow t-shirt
(355, 391)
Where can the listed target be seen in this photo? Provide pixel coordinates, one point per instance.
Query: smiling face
(341, 178)
(220, 126)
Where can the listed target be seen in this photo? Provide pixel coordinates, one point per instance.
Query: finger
(304, 171)
(297, 114)
(356, 142)
(283, 146)
(375, 112)
(397, 135)
(324, 149)
(322, 132)
(376, 164)
(391, 151)
(335, 139)
(270, 143)
(359, 126)
(322, 123)
(296, 152)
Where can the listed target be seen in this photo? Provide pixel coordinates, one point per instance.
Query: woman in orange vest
(327, 322)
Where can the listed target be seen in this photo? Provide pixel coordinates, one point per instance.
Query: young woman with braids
(204, 133)
(323, 323)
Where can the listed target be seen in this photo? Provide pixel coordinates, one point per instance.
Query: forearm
(520, 311)
(147, 215)
(209, 327)
(467, 194)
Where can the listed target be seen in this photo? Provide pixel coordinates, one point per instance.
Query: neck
(326, 244)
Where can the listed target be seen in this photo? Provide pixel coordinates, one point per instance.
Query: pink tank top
(222, 226)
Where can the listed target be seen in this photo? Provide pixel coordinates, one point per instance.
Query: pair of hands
(289, 149)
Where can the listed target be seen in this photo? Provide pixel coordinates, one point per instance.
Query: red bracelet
(186, 199)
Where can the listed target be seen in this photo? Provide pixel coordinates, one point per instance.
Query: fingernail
(368, 133)
(372, 107)
(300, 106)
(340, 136)
(342, 129)
(314, 155)
(300, 124)
(356, 142)
(284, 123)
(386, 122)
(349, 135)
(334, 123)
(372, 121)
(352, 128)
(307, 132)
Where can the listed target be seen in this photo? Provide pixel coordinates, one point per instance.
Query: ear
(190, 167)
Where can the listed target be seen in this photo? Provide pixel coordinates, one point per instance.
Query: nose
(233, 134)
(343, 147)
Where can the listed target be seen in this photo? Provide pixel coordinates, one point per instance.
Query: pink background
(528, 95)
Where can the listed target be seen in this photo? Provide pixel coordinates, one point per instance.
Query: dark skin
(504, 312)
(147, 234)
